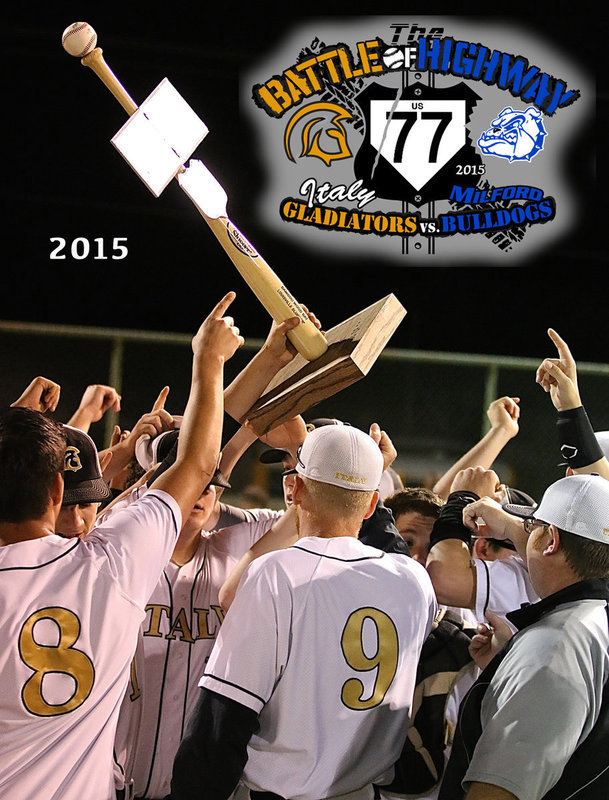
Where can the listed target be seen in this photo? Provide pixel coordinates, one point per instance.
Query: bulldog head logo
(515, 135)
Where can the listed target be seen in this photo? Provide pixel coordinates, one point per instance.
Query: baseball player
(83, 485)
(71, 608)
(183, 616)
(311, 678)
(183, 613)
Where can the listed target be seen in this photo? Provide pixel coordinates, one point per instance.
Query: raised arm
(96, 400)
(41, 395)
(503, 415)
(201, 429)
(579, 446)
(151, 424)
(449, 562)
(275, 353)
(486, 517)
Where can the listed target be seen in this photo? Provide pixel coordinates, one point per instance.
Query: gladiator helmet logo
(314, 128)
(73, 462)
(515, 135)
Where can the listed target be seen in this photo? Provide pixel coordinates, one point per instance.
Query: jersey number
(61, 658)
(410, 117)
(385, 660)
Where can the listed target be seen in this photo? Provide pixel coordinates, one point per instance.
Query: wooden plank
(353, 347)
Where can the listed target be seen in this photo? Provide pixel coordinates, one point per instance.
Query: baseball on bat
(259, 276)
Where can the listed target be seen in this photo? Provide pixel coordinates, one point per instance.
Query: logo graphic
(311, 135)
(240, 242)
(73, 462)
(414, 142)
(388, 148)
(515, 135)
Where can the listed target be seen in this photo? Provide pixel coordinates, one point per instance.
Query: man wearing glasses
(536, 723)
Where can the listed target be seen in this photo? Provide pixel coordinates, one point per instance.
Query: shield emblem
(415, 140)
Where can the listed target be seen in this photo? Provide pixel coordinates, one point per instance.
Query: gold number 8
(60, 658)
(385, 660)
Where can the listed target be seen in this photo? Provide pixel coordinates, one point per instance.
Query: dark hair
(586, 557)
(32, 452)
(418, 499)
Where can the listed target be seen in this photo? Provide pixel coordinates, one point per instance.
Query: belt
(271, 796)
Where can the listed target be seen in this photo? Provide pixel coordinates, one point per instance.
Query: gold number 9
(385, 660)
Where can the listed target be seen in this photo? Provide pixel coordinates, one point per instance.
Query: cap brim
(507, 543)
(218, 479)
(93, 491)
(520, 511)
(273, 456)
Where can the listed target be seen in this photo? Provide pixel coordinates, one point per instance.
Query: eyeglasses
(530, 524)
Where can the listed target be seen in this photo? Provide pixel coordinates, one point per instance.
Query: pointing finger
(223, 305)
(159, 403)
(561, 345)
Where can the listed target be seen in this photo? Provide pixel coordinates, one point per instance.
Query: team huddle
(369, 640)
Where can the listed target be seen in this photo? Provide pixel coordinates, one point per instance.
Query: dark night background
(64, 178)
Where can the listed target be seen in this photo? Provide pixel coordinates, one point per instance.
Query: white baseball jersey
(323, 640)
(502, 585)
(70, 611)
(183, 616)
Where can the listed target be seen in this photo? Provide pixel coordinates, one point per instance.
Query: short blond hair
(335, 501)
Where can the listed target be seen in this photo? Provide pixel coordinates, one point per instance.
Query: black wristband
(449, 524)
(576, 439)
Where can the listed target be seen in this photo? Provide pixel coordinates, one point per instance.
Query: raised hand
(385, 444)
(218, 335)
(41, 395)
(96, 400)
(504, 413)
(558, 376)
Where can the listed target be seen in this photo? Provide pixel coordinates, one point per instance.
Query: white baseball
(78, 39)
(393, 58)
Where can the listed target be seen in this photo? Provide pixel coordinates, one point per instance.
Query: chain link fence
(432, 405)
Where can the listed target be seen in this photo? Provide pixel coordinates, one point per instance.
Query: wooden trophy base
(353, 347)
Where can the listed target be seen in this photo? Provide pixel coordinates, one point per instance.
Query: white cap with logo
(578, 504)
(342, 456)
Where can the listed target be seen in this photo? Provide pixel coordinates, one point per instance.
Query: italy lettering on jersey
(323, 640)
(183, 617)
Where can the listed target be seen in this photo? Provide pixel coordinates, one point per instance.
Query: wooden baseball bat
(259, 276)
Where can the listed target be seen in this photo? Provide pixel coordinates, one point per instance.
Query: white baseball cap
(342, 456)
(578, 504)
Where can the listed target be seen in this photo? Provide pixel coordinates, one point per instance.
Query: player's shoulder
(36, 553)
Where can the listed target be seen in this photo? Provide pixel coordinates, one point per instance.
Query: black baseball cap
(515, 502)
(275, 455)
(166, 452)
(518, 503)
(82, 477)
